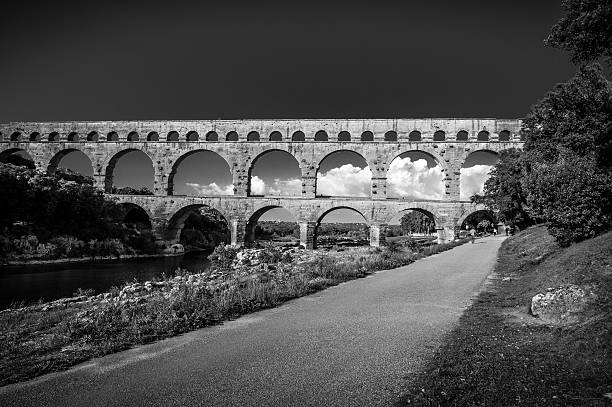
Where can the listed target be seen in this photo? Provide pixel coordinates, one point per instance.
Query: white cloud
(473, 179)
(346, 180)
(414, 179)
(288, 187)
(258, 186)
(211, 189)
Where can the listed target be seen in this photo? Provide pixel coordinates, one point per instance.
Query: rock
(563, 305)
(174, 249)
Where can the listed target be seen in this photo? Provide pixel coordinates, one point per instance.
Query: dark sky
(174, 60)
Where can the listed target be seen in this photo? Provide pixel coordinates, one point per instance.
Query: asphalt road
(351, 345)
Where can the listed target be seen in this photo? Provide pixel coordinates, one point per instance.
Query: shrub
(223, 257)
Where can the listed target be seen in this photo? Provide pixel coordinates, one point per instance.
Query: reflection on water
(52, 281)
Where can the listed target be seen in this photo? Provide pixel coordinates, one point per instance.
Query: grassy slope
(500, 355)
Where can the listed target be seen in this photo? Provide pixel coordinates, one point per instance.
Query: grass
(500, 355)
(34, 342)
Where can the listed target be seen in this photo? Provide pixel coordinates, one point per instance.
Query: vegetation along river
(29, 283)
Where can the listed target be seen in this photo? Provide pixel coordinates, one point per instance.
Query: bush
(223, 257)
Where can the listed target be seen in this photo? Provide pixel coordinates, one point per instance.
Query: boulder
(563, 305)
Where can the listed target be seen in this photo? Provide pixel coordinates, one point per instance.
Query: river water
(52, 281)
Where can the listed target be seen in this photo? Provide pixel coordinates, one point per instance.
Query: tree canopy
(585, 31)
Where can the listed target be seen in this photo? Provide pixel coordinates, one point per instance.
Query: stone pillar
(445, 234)
(307, 234)
(159, 228)
(240, 179)
(238, 231)
(379, 187)
(100, 181)
(309, 181)
(160, 182)
(378, 235)
(452, 182)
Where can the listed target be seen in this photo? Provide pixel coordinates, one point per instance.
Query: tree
(575, 117)
(567, 157)
(416, 222)
(503, 191)
(585, 31)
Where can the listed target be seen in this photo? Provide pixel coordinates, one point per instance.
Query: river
(30, 283)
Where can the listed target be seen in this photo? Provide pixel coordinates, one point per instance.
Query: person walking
(473, 234)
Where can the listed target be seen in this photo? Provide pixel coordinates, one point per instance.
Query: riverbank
(54, 336)
(501, 354)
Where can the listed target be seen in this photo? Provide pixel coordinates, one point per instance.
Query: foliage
(205, 229)
(585, 31)
(131, 191)
(269, 230)
(59, 215)
(503, 191)
(575, 117)
(568, 157)
(223, 257)
(417, 222)
(574, 196)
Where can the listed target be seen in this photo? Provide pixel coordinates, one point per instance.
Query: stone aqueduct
(241, 142)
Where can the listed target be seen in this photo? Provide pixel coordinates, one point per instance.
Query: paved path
(350, 345)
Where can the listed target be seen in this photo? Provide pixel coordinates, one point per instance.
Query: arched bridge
(242, 142)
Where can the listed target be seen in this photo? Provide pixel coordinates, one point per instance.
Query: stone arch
(391, 135)
(321, 135)
(253, 136)
(181, 158)
(408, 180)
(298, 136)
(466, 154)
(329, 153)
(414, 135)
(176, 221)
(473, 173)
(16, 136)
(110, 167)
(133, 136)
(57, 158)
(253, 218)
(35, 136)
(439, 135)
(231, 136)
(344, 136)
(323, 213)
(212, 136)
(5, 154)
(475, 209)
(153, 136)
(504, 135)
(192, 136)
(73, 137)
(463, 135)
(172, 136)
(131, 206)
(93, 136)
(439, 159)
(112, 136)
(262, 154)
(367, 136)
(483, 135)
(419, 207)
(54, 136)
(276, 136)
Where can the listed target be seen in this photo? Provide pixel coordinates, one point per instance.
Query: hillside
(500, 354)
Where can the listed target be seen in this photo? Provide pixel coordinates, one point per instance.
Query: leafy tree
(417, 222)
(574, 117)
(574, 195)
(585, 31)
(503, 191)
